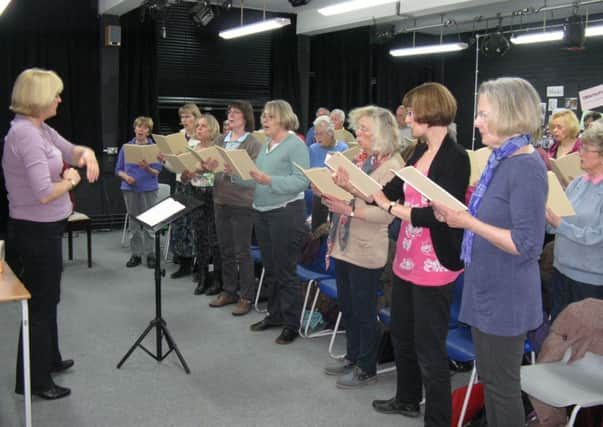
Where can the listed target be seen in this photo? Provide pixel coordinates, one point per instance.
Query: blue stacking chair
(313, 274)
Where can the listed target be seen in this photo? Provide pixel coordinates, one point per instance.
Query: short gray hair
(593, 136)
(515, 106)
(325, 122)
(339, 112)
(386, 136)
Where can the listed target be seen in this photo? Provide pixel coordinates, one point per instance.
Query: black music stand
(157, 219)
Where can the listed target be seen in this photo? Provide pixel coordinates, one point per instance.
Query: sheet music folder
(166, 211)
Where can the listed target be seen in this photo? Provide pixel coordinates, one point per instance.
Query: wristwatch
(391, 206)
(353, 213)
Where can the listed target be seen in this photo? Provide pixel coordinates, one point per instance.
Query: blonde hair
(283, 113)
(212, 124)
(144, 121)
(34, 91)
(386, 135)
(515, 106)
(570, 120)
(190, 109)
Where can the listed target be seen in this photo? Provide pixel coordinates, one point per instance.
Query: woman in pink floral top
(427, 260)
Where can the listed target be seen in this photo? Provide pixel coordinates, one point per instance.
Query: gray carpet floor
(238, 377)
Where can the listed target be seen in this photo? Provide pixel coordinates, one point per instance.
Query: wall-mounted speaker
(112, 35)
(573, 38)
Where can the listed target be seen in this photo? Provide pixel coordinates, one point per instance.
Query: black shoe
(214, 289)
(133, 261)
(393, 406)
(287, 336)
(201, 288)
(264, 324)
(51, 393)
(151, 262)
(184, 270)
(62, 366)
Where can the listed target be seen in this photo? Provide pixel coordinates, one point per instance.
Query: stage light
(495, 44)
(594, 31)
(202, 13)
(429, 49)
(257, 27)
(547, 36)
(3, 4)
(352, 5)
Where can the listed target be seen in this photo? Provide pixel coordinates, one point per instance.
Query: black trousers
(419, 329)
(280, 233)
(34, 251)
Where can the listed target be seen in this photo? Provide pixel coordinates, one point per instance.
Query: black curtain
(395, 76)
(285, 70)
(137, 72)
(61, 35)
(340, 65)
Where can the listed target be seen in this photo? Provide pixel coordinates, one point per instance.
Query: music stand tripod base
(158, 323)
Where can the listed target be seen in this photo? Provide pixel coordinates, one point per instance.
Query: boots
(202, 280)
(186, 267)
(216, 283)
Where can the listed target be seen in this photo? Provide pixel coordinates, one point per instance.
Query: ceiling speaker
(297, 3)
(573, 38)
(495, 44)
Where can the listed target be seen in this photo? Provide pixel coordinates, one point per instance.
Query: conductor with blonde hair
(39, 205)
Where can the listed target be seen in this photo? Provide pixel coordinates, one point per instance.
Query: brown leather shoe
(242, 307)
(222, 300)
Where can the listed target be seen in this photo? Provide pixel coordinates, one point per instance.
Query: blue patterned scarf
(506, 150)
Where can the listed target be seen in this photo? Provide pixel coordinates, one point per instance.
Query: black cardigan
(450, 169)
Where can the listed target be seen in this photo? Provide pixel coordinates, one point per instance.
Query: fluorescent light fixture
(258, 27)
(549, 36)
(426, 50)
(594, 31)
(349, 6)
(3, 4)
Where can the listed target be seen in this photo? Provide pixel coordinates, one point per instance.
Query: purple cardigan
(32, 162)
(501, 293)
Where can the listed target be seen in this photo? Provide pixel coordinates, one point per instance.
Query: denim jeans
(419, 327)
(280, 233)
(357, 295)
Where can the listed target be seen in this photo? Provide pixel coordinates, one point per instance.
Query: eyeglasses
(583, 149)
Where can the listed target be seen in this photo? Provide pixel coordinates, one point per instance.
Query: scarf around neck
(509, 147)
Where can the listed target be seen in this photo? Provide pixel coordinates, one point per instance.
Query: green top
(288, 183)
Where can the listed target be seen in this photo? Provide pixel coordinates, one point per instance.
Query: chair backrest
(455, 306)
(318, 264)
(164, 191)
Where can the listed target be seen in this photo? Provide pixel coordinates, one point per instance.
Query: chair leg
(125, 231)
(332, 341)
(472, 380)
(312, 309)
(89, 241)
(256, 303)
(572, 419)
(70, 244)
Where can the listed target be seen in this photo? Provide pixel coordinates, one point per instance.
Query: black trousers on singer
(34, 252)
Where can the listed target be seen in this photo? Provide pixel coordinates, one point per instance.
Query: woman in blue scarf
(504, 232)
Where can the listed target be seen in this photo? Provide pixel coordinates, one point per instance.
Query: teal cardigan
(288, 183)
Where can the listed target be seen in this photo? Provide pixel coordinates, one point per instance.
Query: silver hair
(339, 112)
(325, 121)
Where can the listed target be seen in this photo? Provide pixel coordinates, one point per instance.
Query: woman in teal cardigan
(280, 216)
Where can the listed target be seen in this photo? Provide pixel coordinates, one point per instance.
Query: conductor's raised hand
(88, 160)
